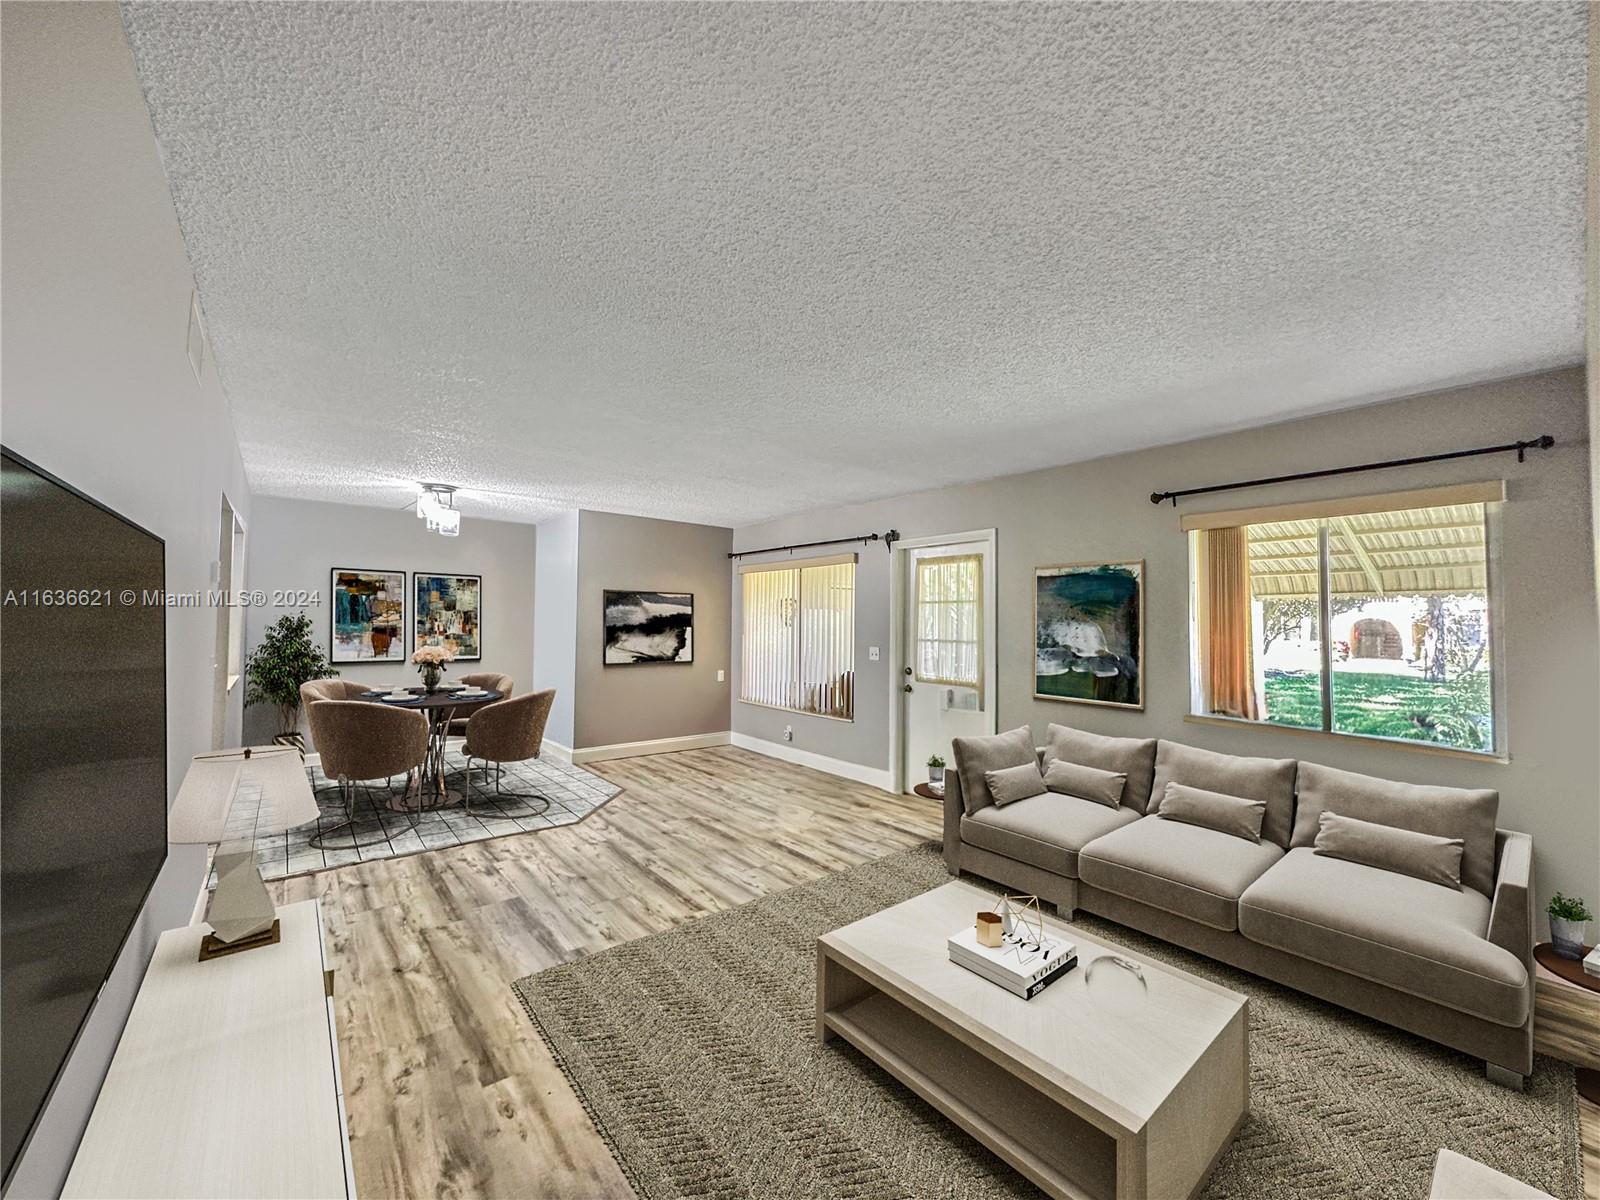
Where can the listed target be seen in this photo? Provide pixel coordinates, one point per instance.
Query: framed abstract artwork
(1088, 633)
(648, 627)
(367, 620)
(449, 613)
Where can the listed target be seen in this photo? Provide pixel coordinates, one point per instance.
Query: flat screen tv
(83, 767)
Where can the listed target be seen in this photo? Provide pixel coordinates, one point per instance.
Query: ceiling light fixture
(436, 505)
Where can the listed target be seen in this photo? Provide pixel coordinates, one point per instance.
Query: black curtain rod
(1539, 443)
(888, 540)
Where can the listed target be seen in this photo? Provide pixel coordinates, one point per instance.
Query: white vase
(936, 776)
(1567, 937)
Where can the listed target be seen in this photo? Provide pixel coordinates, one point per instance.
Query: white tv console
(226, 1079)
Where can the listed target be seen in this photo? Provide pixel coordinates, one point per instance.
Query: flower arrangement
(431, 662)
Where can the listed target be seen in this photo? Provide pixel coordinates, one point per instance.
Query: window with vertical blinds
(799, 636)
(949, 639)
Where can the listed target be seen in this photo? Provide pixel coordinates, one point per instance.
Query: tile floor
(573, 794)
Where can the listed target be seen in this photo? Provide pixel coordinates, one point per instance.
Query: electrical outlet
(788, 733)
(872, 654)
(722, 676)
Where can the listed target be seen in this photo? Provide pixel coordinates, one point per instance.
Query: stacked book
(1022, 967)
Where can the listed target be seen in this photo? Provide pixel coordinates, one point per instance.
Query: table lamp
(241, 912)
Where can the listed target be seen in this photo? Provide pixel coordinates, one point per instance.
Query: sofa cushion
(991, 752)
(1009, 784)
(1133, 757)
(1404, 933)
(1420, 855)
(1183, 869)
(1233, 815)
(1088, 783)
(1043, 831)
(1269, 779)
(1468, 814)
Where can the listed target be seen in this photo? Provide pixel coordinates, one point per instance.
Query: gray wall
(295, 544)
(98, 389)
(619, 704)
(1101, 509)
(555, 633)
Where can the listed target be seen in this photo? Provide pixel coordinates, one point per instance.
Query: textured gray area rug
(694, 1051)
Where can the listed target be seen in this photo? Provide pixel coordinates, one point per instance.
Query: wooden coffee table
(1109, 1088)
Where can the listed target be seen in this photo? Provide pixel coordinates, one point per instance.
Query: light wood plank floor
(450, 1092)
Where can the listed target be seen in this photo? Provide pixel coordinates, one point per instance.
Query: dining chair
(359, 740)
(509, 731)
(314, 690)
(494, 682)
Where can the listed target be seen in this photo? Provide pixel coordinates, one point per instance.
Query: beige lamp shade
(199, 816)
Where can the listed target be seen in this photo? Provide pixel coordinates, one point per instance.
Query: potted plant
(936, 770)
(286, 658)
(1568, 920)
(431, 662)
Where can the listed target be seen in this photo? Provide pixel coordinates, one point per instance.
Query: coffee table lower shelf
(1077, 1155)
(1054, 1148)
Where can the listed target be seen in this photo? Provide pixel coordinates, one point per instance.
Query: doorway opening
(227, 660)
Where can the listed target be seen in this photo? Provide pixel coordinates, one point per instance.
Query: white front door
(947, 659)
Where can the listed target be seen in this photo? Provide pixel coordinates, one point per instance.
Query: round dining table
(440, 707)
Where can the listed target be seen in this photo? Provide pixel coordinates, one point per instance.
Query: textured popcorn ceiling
(728, 261)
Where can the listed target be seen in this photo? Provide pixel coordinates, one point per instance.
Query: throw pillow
(1087, 783)
(1133, 757)
(1014, 783)
(991, 752)
(1442, 812)
(1237, 816)
(1404, 851)
(1269, 779)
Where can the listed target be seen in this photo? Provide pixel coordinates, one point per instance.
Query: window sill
(1360, 738)
(804, 712)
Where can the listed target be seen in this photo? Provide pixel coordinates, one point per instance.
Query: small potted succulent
(1569, 918)
(936, 770)
(431, 662)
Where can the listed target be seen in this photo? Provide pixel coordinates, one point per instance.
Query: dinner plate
(399, 696)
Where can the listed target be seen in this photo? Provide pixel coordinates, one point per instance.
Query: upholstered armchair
(492, 680)
(510, 731)
(360, 740)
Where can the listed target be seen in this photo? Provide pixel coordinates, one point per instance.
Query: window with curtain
(799, 636)
(1371, 617)
(949, 633)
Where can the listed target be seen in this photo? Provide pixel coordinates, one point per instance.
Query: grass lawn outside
(1453, 713)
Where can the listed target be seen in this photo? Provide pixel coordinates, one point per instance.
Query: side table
(927, 793)
(1566, 1016)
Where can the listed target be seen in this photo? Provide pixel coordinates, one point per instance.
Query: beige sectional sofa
(1450, 961)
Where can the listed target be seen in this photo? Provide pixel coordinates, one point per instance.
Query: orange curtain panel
(1230, 686)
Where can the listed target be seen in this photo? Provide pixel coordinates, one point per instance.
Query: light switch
(872, 654)
(721, 676)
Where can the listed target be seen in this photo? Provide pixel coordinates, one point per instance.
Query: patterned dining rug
(562, 794)
(694, 1052)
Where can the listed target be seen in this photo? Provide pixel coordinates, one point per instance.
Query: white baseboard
(556, 751)
(696, 741)
(877, 777)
